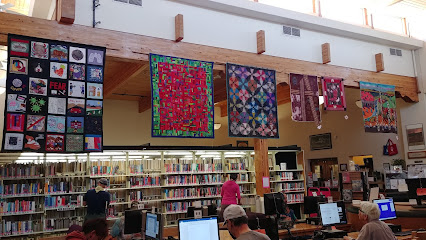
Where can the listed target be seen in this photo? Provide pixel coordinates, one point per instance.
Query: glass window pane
(388, 23)
(303, 6)
(342, 10)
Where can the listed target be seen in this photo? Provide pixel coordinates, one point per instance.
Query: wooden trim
(178, 27)
(326, 57)
(261, 165)
(314, 6)
(380, 65)
(136, 48)
(260, 35)
(365, 11)
(404, 23)
(144, 104)
(128, 71)
(65, 11)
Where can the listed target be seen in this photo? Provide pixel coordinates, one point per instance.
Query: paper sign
(198, 214)
(265, 182)
(283, 166)
(374, 194)
(413, 202)
(402, 188)
(314, 194)
(421, 191)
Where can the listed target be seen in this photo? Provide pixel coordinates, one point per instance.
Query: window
(342, 10)
(388, 23)
(303, 6)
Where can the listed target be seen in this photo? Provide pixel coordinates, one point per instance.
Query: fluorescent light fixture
(150, 153)
(235, 153)
(217, 126)
(24, 161)
(358, 103)
(108, 154)
(182, 153)
(321, 100)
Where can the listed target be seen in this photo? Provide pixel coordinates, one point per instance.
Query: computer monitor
(341, 208)
(387, 208)
(274, 203)
(196, 229)
(154, 226)
(413, 185)
(132, 221)
(329, 214)
(311, 203)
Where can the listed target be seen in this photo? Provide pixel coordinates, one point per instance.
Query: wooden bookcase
(356, 183)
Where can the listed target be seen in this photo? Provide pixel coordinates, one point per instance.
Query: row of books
(193, 179)
(10, 208)
(286, 176)
(111, 212)
(192, 192)
(103, 170)
(236, 166)
(58, 187)
(248, 201)
(193, 167)
(21, 170)
(20, 189)
(242, 177)
(245, 188)
(138, 166)
(290, 186)
(60, 223)
(145, 181)
(295, 197)
(63, 201)
(52, 169)
(172, 207)
(10, 228)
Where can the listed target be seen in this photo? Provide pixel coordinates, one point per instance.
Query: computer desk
(354, 235)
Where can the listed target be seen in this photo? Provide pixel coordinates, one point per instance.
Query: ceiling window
(388, 23)
(302, 6)
(343, 11)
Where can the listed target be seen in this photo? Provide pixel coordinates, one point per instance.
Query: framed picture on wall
(386, 167)
(415, 137)
(343, 167)
(320, 141)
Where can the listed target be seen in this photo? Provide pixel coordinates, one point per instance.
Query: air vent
(291, 31)
(287, 30)
(396, 52)
(399, 52)
(133, 2)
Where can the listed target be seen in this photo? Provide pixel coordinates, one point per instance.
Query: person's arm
(221, 191)
(238, 195)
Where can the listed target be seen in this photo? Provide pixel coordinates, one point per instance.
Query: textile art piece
(304, 98)
(47, 88)
(182, 97)
(333, 91)
(252, 102)
(378, 107)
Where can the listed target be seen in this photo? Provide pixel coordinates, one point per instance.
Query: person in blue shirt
(289, 213)
(97, 201)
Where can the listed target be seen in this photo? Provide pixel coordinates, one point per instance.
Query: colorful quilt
(334, 94)
(182, 97)
(378, 107)
(304, 98)
(252, 102)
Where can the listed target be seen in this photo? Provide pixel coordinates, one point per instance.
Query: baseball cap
(232, 212)
(103, 181)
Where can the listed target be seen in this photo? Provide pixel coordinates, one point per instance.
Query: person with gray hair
(374, 228)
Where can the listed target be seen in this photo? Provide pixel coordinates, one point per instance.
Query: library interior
(295, 119)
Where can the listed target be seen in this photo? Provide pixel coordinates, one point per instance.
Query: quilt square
(55, 143)
(57, 106)
(19, 47)
(18, 65)
(36, 123)
(16, 103)
(13, 141)
(95, 90)
(15, 122)
(34, 142)
(95, 57)
(38, 68)
(56, 124)
(95, 74)
(93, 143)
(59, 52)
(94, 108)
(58, 70)
(93, 125)
(58, 88)
(76, 89)
(379, 107)
(77, 72)
(39, 50)
(17, 84)
(75, 124)
(334, 94)
(252, 102)
(304, 95)
(74, 143)
(37, 105)
(38, 86)
(182, 97)
(77, 55)
(75, 107)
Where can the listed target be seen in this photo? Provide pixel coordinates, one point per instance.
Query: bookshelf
(353, 185)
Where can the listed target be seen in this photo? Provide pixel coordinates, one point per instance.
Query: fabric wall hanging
(378, 107)
(334, 94)
(182, 97)
(304, 98)
(48, 100)
(252, 102)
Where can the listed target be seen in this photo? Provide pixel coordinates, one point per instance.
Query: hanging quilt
(304, 98)
(51, 97)
(182, 97)
(378, 107)
(252, 102)
(334, 94)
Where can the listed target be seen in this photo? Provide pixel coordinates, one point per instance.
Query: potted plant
(398, 162)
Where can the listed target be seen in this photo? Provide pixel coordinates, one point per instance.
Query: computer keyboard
(406, 233)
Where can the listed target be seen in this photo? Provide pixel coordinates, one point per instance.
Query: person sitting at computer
(289, 213)
(94, 229)
(230, 193)
(236, 221)
(374, 228)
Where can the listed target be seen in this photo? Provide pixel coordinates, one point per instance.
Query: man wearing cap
(236, 221)
(97, 201)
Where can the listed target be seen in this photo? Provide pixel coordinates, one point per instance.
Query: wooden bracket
(260, 42)
(144, 104)
(326, 58)
(65, 11)
(178, 27)
(380, 65)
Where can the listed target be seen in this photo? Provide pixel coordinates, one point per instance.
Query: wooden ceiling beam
(136, 47)
(123, 74)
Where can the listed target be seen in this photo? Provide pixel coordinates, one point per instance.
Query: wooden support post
(144, 104)
(178, 27)
(261, 164)
(65, 11)
(380, 64)
(326, 58)
(260, 42)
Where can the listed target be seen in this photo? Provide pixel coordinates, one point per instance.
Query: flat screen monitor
(342, 212)
(311, 203)
(413, 184)
(274, 203)
(132, 221)
(329, 214)
(387, 208)
(196, 229)
(154, 226)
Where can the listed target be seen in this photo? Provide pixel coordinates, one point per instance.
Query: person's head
(95, 229)
(74, 227)
(103, 182)
(284, 197)
(236, 219)
(233, 176)
(134, 205)
(368, 211)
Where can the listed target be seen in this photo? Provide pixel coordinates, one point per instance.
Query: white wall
(220, 29)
